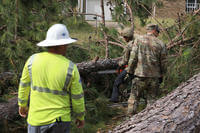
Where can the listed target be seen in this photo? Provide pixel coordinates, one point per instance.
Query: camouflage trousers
(142, 86)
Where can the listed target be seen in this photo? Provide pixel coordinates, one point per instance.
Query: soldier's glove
(129, 76)
(126, 77)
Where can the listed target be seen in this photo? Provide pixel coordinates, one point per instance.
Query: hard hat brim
(49, 43)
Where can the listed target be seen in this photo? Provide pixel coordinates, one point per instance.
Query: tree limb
(182, 32)
(117, 44)
(131, 13)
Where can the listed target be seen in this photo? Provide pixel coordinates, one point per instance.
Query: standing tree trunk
(103, 14)
(104, 32)
(16, 18)
(178, 112)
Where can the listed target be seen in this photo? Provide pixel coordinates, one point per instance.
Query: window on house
(192, 5)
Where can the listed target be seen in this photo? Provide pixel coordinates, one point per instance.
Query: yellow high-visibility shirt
(51, 80)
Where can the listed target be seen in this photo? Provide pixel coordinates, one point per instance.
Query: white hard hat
(56, 35)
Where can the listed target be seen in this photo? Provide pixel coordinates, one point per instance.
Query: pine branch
(117, 44)
(111, 42)
(181, 42)
(172, 44)
(117, 40)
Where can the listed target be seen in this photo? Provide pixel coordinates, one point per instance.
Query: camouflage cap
(152, 27)
(127, 31)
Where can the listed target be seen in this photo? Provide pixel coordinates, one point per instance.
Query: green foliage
(184, 60)
(77, 54)
(77, 24)
(98, 112)
(182, 67)
(24, 24)
(139, 8)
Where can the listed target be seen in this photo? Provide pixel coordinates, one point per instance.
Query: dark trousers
(56, 127)
(118, 81)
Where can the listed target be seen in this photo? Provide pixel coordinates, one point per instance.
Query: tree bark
(178, 112)
(93, 66)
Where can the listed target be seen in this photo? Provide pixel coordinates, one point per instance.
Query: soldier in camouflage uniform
(148, 64)
(127, 34)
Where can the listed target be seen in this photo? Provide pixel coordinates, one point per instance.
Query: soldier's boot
(114, 98)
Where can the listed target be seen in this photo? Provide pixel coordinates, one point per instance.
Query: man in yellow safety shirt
(52, 84)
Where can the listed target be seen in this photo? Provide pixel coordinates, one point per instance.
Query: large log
(9, 110)
(95, 65)
(85, 68)
(178, 112)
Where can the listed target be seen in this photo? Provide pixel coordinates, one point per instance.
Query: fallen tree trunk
(9, 110)
(178, 112)
(86, 68)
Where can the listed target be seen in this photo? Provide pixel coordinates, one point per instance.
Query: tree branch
(179, 42)
(131, 13)
(181, 33)
(117, 44)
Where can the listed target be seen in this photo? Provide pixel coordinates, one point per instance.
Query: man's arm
(126, 54)
(23, 91)
(77, 97)
(132, 63)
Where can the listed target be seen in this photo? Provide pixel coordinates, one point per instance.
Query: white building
(94, 7)
(192, 5)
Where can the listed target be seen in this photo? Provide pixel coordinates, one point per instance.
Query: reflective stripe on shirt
(30, 66)
(77, 96)
(22, 101)
(47, 90)
(69, 75)
(79, 114)
(22, 84)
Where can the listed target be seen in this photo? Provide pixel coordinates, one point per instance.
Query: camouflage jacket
(126, 54)
(148, 57)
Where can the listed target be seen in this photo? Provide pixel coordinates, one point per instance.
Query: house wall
(94, 6)
(171, 8)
